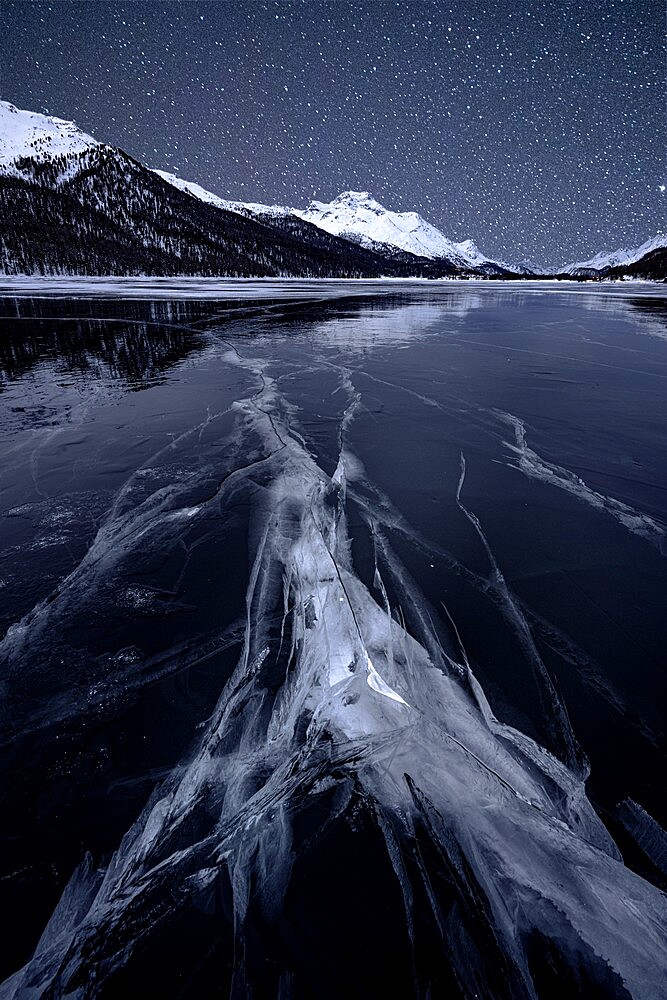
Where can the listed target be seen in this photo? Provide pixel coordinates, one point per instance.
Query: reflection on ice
(386, 324)
(646, 315)
(132, 351)
(388, 318)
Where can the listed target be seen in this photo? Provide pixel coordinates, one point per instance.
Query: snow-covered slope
(254, 209)
(358, 216)
(40, 137)
(474, 256)
(606, 259)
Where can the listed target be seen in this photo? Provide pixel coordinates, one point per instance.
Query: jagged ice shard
(348, 704)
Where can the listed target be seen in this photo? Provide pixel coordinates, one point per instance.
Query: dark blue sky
(536, 128)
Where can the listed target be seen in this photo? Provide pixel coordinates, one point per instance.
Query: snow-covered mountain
(28, 139)
(123, 201)
(72, 205)
(607, 260)
(356, 216)
(39, 138)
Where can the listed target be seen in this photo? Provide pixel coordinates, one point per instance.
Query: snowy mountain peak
(40, 137)
(356, 200)
(356, 215)
(469, 247)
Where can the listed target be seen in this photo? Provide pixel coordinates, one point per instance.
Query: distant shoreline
(180, 287)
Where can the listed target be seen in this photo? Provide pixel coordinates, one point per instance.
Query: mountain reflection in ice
(351, 816)
(362, 327)
(648, 315)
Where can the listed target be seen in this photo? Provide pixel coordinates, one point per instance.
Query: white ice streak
(377, 684)
(535, 467)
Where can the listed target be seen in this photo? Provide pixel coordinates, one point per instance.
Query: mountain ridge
(351, 216)
(614, 260)
(72, 204)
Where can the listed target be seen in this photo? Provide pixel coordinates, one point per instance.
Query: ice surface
(331, 693)
(175, 288)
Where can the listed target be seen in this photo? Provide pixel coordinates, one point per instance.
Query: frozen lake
(334, 637)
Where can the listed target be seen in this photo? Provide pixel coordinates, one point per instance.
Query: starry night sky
(536, 128)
